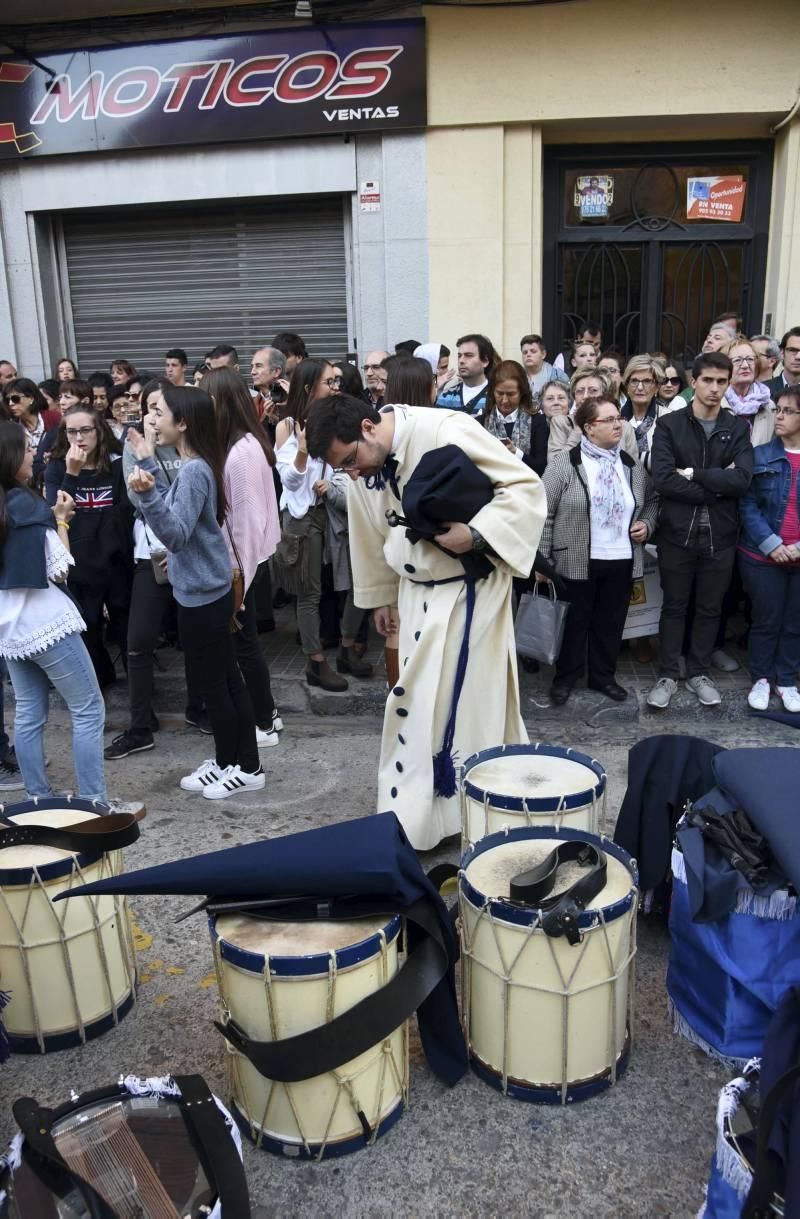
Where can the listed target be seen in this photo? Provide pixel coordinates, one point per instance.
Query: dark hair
(150, 387)
(792, 333)
(337, 418)
(679, 368)
(223, 351)
(23, 385)
(177, 353)
(200, 366)
(444, 351)
(352, 382)
(712, 359)
(485, 347)
(410, 382)
(81, 389)
(789, 391)
(194, 407)
(119, 391)
(614, 355)
(66, 360)
(236, 416)
(509, 370)
(126, 367)
(533, 338)
(98, 379)
(49, 387)
(588, 409)
(409, 345)
(13, 446)
(140, 376)
(302, 390)
(590, 327)
(107, 443)
(290, 344)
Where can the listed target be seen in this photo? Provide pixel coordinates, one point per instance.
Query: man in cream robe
(428, 589)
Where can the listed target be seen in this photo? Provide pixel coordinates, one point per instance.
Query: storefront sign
(715, 198)
(369, 196)
(308, 81)
(594, 195)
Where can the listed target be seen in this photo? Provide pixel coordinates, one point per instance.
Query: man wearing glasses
(702, 463)
(422, 590)
(790, 354)
(375, 377)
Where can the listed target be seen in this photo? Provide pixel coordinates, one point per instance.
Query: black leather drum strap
(208, 1125)
(560, 913)
(96, 835)
(354, 1032)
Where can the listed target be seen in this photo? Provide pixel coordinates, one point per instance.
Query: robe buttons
(409, 568)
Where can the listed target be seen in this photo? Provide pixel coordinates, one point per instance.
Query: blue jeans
(68, 666)
(5, 743)
(774, 589)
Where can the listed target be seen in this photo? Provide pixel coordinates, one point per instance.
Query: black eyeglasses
(672, 380)
(14, 399)
(332, 382)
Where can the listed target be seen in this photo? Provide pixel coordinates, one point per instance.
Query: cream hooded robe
(388, 570)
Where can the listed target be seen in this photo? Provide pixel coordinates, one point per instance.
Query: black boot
(349, 662)
(319, 673)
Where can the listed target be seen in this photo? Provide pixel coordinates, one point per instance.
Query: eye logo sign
(16, 74)
(259, 86)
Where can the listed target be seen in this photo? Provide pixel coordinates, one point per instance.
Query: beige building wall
(505, 82)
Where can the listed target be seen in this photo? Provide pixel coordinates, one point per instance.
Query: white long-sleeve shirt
(298, 486)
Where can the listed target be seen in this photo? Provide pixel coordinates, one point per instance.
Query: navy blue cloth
(367, 857)
(444, 487)
(766, 784)
(24, 564)
(791, 718)
(663, 773)
(781, 1053)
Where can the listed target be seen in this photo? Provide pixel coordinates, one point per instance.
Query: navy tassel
(4, 1047)
(444, 763)
(386, 475)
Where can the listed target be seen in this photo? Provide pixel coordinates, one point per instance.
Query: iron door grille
(145, 280)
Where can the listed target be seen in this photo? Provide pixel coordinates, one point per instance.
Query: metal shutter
(144, 280)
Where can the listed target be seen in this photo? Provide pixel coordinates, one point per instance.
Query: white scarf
(608, 500)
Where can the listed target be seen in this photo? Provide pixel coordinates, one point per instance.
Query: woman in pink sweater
(251, 530)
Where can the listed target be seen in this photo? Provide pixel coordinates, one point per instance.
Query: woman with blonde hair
(746, 396)
(585, 386)
(642, 380)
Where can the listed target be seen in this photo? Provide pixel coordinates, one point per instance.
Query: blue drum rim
(16, 877)
(528, 916)
(309, 965)
(68, 1041)
(536, 804)
(298, 1151)
(541, 1095)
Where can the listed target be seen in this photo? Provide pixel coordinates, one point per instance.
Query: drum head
(491, 872)
(263, 938)
(33, 856)
(532, 776)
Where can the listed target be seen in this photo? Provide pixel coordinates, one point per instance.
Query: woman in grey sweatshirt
(187, 515)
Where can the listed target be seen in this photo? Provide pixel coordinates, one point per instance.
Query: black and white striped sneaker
(207, 773)
(234, 781)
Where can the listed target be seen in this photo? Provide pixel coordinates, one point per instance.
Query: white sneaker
(265, 739)
(758, 698)
(207, 772)
(790, 696)
(277, 722)
(661, 693)
(234, 781)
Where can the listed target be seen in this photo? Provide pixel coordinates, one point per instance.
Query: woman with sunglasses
(769, 559)
(747, 397)
(674, 382)
(304, 517)
(85, 463)
(27, 404)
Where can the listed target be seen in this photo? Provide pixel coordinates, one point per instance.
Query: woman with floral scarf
(510, 416)
(747, 397)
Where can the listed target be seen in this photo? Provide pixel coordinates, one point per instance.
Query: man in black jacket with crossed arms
(702, 463)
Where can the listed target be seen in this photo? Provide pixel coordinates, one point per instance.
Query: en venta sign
(255, 86)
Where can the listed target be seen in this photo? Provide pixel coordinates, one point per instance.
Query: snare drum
(68, 966)
(277, 980)
(546, 1020)
(534, 785)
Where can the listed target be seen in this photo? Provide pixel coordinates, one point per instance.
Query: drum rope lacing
(619, 969)
(345, 1084)
(63, 940)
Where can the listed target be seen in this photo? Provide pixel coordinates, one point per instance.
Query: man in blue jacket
(702, 463)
